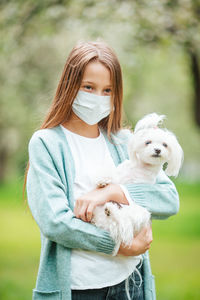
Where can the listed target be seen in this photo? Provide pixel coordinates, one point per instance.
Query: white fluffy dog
(149, 149)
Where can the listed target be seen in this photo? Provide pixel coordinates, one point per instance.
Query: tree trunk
(195, 71)
(3, 163)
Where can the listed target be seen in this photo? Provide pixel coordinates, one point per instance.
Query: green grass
(174, 252)
(19, 244)
(176, 247)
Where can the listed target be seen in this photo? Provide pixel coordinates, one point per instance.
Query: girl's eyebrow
(90, 82)
(86, 81)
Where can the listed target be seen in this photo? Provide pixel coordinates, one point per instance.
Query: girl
(82, 130)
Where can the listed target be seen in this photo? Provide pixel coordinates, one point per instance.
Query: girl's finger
(82, 212)
(89, 211)
(150, 235)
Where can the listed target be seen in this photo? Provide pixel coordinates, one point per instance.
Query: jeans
(115, 292)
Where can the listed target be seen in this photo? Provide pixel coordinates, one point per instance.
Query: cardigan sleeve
(161, 198)
(50, 208)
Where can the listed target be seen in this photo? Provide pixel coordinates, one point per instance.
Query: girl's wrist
(115, 193)
(128, 251)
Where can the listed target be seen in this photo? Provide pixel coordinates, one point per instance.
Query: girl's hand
(85, 204)
(141, 243)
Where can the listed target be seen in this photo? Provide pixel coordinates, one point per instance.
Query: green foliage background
(174, 252)
(153, 40)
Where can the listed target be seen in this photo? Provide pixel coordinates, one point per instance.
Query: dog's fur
(149, 149)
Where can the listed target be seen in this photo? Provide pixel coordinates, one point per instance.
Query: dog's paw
(102, 182)
(107, 212)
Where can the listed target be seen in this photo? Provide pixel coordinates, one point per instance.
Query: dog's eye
(165, 145)
(147, 142)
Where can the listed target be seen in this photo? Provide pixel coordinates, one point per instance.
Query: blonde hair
(70, 82)
(80, 56)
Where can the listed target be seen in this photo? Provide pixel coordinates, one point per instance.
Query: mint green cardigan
(50, 198)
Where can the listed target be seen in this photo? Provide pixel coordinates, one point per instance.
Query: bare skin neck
(76, 125)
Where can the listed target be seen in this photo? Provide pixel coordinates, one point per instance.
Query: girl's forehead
(95, 71)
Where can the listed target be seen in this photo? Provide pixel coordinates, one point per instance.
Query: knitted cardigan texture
(50, 197)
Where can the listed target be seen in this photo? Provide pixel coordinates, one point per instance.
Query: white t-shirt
(93, 270)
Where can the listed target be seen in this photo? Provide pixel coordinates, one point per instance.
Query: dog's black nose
(157, 151)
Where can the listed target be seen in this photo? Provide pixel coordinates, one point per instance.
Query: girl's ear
(132, 146)
(176, 158)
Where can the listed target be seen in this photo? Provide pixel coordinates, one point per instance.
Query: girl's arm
(141, 243)
(161, 198)
(112, 192)
(50, 207)
(85, 204)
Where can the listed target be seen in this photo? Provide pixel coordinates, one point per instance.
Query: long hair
(70, 82)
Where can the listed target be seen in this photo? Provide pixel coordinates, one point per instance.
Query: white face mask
(91, 108)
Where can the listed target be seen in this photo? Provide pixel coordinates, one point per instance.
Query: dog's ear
(176, 158)
(149, 121)
(132, 146)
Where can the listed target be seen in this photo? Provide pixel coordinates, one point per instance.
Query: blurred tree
(157, 22)
(153, 22)
(25, 77)
(176, 21)
(29, 52)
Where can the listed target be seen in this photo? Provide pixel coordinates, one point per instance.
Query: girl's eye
(147, 142)
(107, 91)
(88, 87)
(165, 145)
